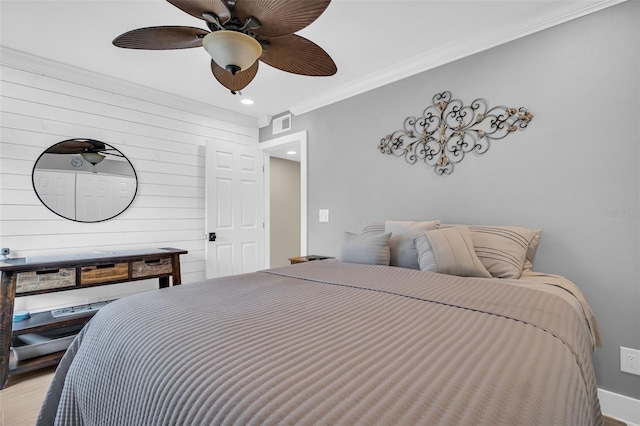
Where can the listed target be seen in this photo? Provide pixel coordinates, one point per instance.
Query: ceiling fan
(243, 33)
(91, 150)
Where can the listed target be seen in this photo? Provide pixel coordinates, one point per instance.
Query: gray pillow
(401, 244)
(373, 227)
(370, 249)
(426, 257)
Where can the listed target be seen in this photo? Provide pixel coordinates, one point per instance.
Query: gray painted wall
(284, 211)
(570, 173)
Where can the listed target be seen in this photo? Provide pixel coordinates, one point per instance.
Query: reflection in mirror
(84, 180)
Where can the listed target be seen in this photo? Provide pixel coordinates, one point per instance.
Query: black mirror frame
(33, 183)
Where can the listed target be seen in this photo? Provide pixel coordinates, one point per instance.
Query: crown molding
(447, 54)
(264, 120)
(57, 70)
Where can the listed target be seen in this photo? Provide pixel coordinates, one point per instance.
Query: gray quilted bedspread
(330, 343)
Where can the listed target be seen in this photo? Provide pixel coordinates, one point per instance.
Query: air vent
(281, 124)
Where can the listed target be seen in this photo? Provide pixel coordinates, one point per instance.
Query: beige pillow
(449, 251)
(503, 249)
(531, 250)
(401, 244)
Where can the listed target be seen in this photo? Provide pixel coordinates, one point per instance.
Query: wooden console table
(303, 259)
(46, 274)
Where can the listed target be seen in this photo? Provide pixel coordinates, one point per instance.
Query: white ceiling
(373, 42)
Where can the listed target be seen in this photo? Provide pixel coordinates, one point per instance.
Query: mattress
(332, 343)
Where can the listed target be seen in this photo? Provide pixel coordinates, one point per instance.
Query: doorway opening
(281, 234)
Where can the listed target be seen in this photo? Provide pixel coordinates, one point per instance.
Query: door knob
(212, 236)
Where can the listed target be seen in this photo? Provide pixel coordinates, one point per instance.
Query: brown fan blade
(75, 146)
(298, 55)
(198, 7)
(280, 17)
(234, 82)
(161, 38)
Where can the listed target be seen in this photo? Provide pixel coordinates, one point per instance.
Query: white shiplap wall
(164, 137)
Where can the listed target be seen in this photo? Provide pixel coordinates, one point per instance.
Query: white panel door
(124, 191)
(94, 199)
(100, 196)
(235, 208)
(57, 191)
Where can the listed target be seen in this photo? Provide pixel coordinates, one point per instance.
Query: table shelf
(44, 321)
(47, 274)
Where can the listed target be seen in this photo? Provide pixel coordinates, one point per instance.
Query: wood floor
(21, 398)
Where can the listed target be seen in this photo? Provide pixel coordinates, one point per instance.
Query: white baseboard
(619, 406)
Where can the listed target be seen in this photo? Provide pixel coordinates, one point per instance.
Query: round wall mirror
(84, 180)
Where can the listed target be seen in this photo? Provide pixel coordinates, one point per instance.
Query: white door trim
(301, 138)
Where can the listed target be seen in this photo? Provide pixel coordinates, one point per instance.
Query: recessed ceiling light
(291, 152)
(247, 101)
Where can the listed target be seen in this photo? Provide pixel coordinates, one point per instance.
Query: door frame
(301, 139)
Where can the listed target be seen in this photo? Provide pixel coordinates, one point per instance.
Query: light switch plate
(323, 215)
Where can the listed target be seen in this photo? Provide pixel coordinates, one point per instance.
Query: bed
(336, 343)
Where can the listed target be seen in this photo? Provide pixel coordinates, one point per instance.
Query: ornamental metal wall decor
(448, 130)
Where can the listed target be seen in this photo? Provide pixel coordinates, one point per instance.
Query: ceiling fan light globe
(92, 157)
(232, 50)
